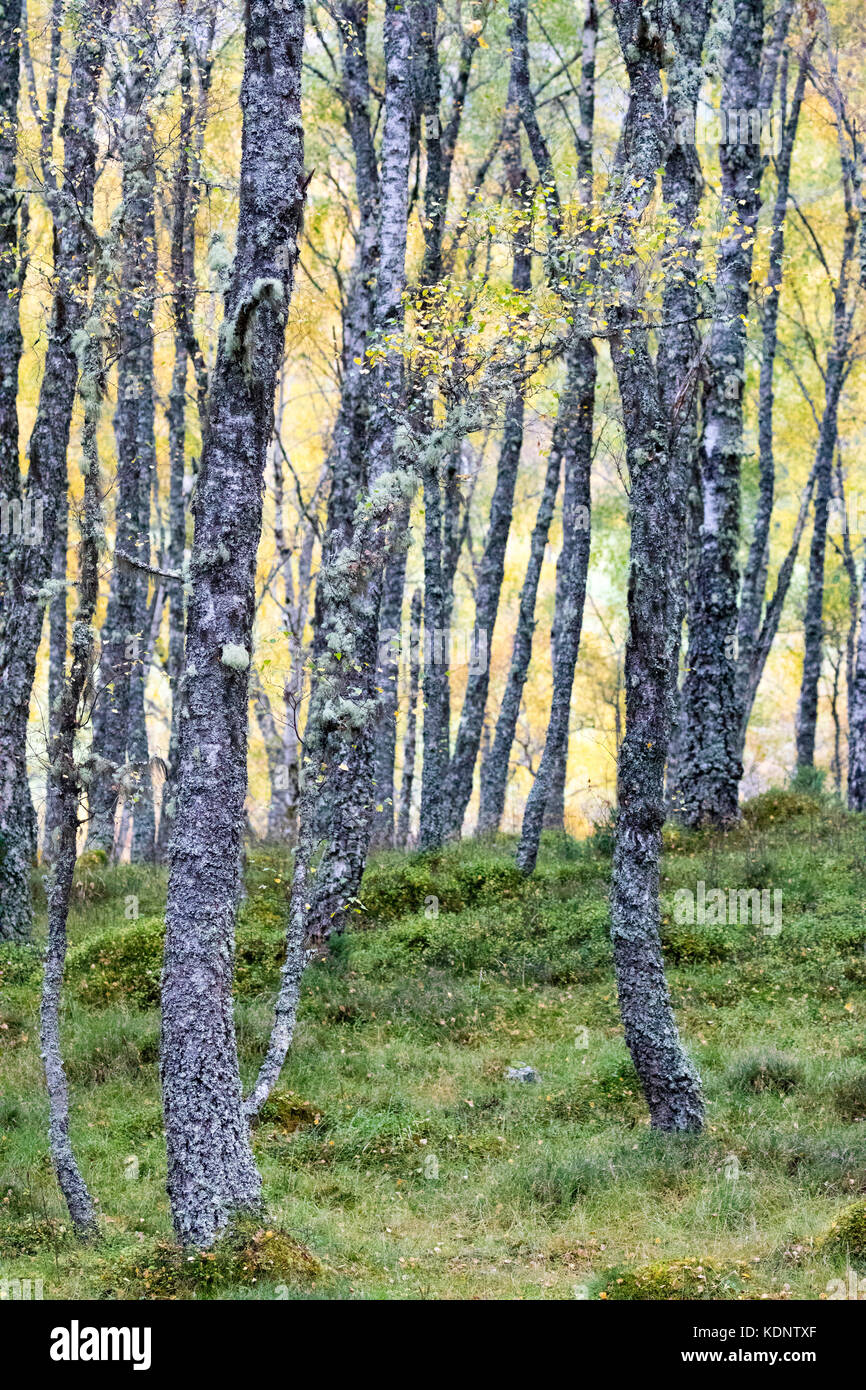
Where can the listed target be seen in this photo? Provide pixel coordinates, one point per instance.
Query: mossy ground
(396, 1152)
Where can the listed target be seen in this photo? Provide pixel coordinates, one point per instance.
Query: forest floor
(397, 1152)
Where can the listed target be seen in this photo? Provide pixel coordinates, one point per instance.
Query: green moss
(20, 963)
(246, 1256)
(287, 1112)
(847, 1236)
(123, 964)
(677, 1279)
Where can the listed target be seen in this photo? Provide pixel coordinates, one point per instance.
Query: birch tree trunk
(119, 730)
(29, 567)
(186, 194)
(211, 1170)
(66, 774)
(834, 379)
(658, 488)
(710, 758)
(344, 704)
(408, 782)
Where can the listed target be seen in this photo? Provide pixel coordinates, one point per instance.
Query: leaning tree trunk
(29, 567)
(710, 762)
(658, 488)
(119, 729)
(211, 1170)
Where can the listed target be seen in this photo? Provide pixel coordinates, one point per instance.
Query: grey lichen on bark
(211, 1170)
(29, 567)
(657, 502)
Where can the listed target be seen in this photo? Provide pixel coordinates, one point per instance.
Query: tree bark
(119, 728)
(211, 1170)
(344, 703)
(410, 735)
(29, 567)
(658, 488)
(711, 763)
(66, 775)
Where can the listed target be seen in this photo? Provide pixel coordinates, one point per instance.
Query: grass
(395, 1154)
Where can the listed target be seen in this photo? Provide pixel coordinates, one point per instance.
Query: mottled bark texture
(29, 566)
(344, 702)
(347, 461)
(119, 730)
(211, 1171)
(404, 817)
(443, 535)
(658, 509)
(710, 765)
(186, 192)
(68, 778)
(857, 716)
(10, 267)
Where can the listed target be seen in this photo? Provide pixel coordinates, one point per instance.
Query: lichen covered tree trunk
(657, 498)
(710, 763)
(211, 1170)
(29, 566)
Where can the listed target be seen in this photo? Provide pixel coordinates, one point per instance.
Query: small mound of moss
(683, 944)
(245, 1256)
(849, 1098)
(767, 1070)
(669, 1281)
(287, 1112)
(782, 804)
(847, 1235)
(120, 965)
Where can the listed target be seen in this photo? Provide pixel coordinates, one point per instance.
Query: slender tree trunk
(753, 592)
(409, 737)
(807, 707)
(658, 489)
(344, 704)
(29, 567)
(186, 194)
(211, 1170)
(119, 728)
(494, 768)
(12, 267)
(857, 716)
(575, 425)
(711, 763)
(66, 775)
